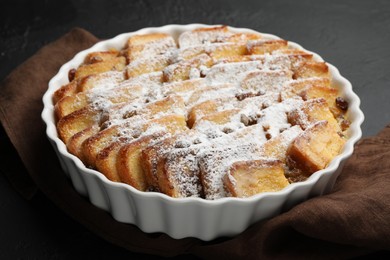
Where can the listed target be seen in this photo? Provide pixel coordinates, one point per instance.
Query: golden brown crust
(100, 56)
(75, 122)
(312, 69)
(75, 142)
(129, 163)
(66, 90)
(266, 46)
(106, 160)
(117, 63)
(248, 178)
(69, 104)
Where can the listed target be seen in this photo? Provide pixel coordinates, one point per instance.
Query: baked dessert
(210, 114)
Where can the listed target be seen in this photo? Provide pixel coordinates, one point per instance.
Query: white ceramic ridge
(191, 217)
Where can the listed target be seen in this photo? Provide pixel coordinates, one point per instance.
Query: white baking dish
(191, 217)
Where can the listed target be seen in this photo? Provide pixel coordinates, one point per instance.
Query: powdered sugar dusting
(193, 38)
(239, 107)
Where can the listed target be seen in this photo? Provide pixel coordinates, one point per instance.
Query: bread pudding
(210, 113)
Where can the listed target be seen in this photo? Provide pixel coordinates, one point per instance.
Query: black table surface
(352, 35)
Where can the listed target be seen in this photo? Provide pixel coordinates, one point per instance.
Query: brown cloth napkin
(352, 220)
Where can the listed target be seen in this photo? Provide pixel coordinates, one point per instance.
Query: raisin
(227, 130)
(345, 124)
(341, 103)
(71, 74)
(130, 114)
(243, 96)
(248, 120)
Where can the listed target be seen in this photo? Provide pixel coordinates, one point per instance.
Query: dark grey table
(352, 35)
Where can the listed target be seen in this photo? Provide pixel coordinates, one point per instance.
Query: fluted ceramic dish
(191, 217)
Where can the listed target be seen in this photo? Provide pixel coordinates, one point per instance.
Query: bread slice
(66, 90)
(263, 82)
(106, 149)
(182, 70)
(200, 110)
(203, 35)
(101, 80)
(248, 178)
(312, 111)
(148, 45)
(147, 65)
(298, 87)
(117, 63)
(313, 150)
(135, 122)
(178, 173)
(76, 122)
(312, 69)
(215, 51)
(329, 94)
(276, 148)
(69, 104)
(103, 97)
(218, 118)
(100, 56)
(75, 142)
(265, 46)
(129, 162)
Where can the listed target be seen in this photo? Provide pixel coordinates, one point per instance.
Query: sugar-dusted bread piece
(148, 45)
(215, 51)
(101, 80)
(102, 150)
(177, 169)
(134, 123)
(178, 173)
(100, 56)
(312, 69)
(106, 158)
(76, 122)
(75, 142)
(117, 63)
(204, 35)
(152, 156)
(312, 111)
(232, 73)
(66, 90)
(300, 87)
(129, 162)
(211, 92)
(147, 65)
(187, 86)
(185, 69)
(265, 81)
(70, 104)
(328, 93)
(276, 147)
(205, 108)
(248, 178)
(263, 46)
(214, 163)
(313, 150)
(218, 118)
(105, 79)
(121, 94)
